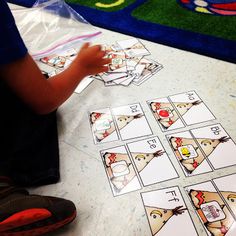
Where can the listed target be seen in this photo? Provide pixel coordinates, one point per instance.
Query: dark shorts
(29, 150)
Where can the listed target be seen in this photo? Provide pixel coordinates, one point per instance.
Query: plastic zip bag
(52, 26)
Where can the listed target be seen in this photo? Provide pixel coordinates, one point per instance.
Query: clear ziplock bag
(52, 26)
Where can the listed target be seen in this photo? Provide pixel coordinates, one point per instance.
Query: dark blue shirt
(29, 146)
(12, 46)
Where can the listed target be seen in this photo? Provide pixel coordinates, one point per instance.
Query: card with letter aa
(190, 157)
(191, 108)
(151, 161)
(102, 126)
(165, 114)
(227, 187)
(217, 145)
(167, 213)
(212, 209)
(131, 121)
(120, 171)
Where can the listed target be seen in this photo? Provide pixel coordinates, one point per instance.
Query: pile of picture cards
(128, 64)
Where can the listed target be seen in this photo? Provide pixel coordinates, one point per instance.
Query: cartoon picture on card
(120, 170)
(166, 212)
(133, 47)
(131, 121)
(102, 125)
(216, 143)
(151, 161)
(188, 153)
(211, 209)
(165, 114)
(227, 187)
(118, 62)
(191, 108)
(61, 60)
(149, 68)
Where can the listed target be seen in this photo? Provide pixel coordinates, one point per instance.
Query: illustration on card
(165, 114)
(102, 125)
(211, 209)
(191, 108)
(59, 61)
(227, 187)
(120, 170)
(188, 153)
(216, 143)
(158, 217)
(131, 121)
(149, 158)
(166, 211)
(133, 47)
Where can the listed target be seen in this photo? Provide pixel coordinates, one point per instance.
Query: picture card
(226, 185)
(102, 126)
(133, 47)
(118, 62)
(151, 67)
(131, 121)
(217, 145)
(120, 171)
(151, 161)
(165, 114)
(191, 108)
(189, 155)
(211, 209)
(61, 60)
(167, 213)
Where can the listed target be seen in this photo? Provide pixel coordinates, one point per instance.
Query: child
(29, 143)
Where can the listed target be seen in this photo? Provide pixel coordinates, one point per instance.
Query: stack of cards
(128, 64)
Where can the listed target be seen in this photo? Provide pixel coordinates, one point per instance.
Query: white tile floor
(83, 179)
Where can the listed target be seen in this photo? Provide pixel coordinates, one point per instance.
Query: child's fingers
(85, 45)
(104, 61)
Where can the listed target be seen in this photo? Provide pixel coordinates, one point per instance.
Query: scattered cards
(128, 64)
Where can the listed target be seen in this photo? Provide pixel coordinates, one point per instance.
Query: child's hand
(90, 60)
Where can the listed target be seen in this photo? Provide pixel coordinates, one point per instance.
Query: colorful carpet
(206, 27)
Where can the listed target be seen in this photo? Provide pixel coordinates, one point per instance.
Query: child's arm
(43, 96)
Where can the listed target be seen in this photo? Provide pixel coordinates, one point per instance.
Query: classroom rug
(206, 27)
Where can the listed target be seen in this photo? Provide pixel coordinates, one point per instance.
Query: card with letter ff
(167, 213)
